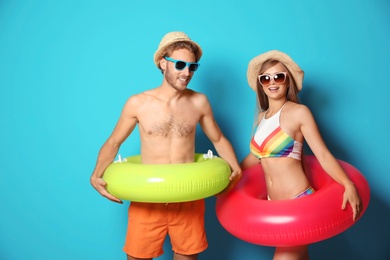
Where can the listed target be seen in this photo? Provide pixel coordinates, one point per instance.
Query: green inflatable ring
(163, 183)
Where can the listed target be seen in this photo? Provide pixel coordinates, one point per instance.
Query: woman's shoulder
(297, 112)
(297, 108)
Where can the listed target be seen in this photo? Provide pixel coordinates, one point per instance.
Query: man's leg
(185, 257)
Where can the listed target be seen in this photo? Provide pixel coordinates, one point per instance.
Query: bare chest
(172, 126)
(169, 124)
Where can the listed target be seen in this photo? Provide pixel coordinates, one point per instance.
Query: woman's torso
(281, 153)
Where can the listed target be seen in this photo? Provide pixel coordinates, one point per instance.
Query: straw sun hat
(256, 63)
(169, 39)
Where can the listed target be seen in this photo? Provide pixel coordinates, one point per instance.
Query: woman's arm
(327, 161)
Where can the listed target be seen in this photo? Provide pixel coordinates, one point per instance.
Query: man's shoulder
(142, 96)
(198, 99)
(194, 94)
(136, 100)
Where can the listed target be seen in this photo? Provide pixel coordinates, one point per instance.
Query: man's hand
(234, 177)
(100, 186)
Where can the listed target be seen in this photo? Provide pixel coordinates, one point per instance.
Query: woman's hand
(352, 197)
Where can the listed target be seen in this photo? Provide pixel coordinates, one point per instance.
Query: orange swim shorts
(149, 223)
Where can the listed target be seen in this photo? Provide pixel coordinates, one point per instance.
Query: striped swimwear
(270, 140)
(306, 192)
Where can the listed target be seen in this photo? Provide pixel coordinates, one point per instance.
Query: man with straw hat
(167, 117)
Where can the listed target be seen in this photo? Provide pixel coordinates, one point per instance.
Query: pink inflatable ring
(246, 213)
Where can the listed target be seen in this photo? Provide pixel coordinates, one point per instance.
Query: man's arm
(110, 148)
(220, 142)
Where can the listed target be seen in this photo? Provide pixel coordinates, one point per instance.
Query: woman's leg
(291, 253)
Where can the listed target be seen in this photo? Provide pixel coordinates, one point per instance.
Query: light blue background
(67, 67)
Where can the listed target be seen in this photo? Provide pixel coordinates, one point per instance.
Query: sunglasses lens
(265, 80)
(194, 67)
(180, 65)
(279, 78)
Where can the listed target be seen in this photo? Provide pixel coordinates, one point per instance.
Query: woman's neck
(275, 106)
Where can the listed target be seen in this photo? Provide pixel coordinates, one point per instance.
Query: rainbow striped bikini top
(271, 141)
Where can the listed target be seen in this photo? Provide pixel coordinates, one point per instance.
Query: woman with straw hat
(282, 126)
